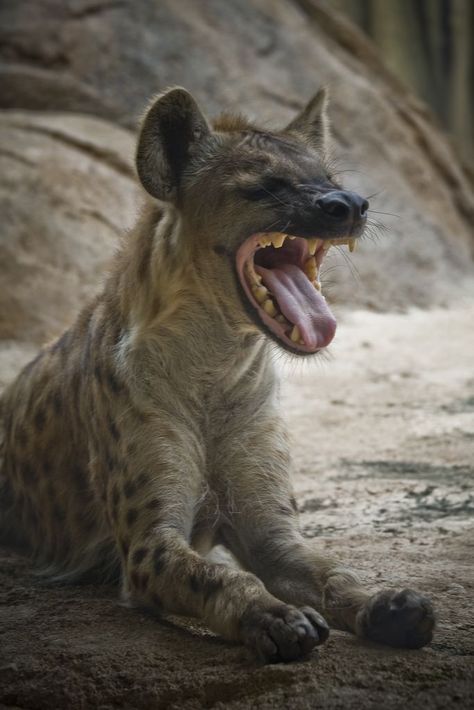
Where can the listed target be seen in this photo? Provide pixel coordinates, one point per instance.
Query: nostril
(364, 208)
(334, 207)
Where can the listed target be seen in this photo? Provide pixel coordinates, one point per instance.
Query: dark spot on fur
(145, 578)
(142, 479)
(135, 579)
(156, 601)
(21, 436)
(132, 515)
(125, 547)
(59, 513)
(7, 495)
(111, 462)
(221, 250)
(207, 585)
(78, 476)
(158, 558)
(76, 385)
(115, 497)
(56, 402)
(294, 504)
(153, 504)
(129, 489)
(212, 587)
(28, 473)
(113, 382)
(98, 373)
(286, 509)
(194, 583)
(40, 420)
(114, 432)
(139, 555)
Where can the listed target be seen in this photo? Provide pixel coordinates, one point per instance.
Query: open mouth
(279, 274)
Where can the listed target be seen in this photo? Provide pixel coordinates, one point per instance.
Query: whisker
(353, 269)
(389, 214)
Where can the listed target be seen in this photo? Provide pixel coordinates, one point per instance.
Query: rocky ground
(383, 434)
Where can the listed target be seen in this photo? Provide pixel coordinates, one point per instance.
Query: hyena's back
(50, 500)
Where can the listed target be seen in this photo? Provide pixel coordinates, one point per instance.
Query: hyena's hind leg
(152, 517)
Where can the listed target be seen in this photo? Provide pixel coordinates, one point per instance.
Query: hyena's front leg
(263, 533)
(152, 502)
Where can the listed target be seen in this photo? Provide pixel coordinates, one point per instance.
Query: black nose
(343, 205)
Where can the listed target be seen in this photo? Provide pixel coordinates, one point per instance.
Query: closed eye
(267, 189)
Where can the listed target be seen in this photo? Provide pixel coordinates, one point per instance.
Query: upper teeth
(277, 239)
(311, 269)
(313, 245)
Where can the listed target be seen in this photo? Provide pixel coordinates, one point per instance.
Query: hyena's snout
(344, 209)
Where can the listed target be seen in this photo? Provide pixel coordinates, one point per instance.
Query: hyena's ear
(312, 124)
(172, 128)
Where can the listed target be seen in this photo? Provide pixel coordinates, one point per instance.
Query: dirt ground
(383, 435)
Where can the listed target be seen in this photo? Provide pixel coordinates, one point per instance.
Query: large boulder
(266, 58)
(67, 192)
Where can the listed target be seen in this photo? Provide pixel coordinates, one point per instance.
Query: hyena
(150, 431)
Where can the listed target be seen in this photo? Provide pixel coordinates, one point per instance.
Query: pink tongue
(300, 303)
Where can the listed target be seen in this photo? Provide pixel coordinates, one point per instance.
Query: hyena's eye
(266, 189)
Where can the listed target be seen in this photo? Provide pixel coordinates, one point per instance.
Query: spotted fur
(150, 430)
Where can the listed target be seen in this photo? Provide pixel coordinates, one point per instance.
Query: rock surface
(67, 193)
(108, 56)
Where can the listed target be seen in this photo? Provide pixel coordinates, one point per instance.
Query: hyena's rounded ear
(171, 128)
(312, 124)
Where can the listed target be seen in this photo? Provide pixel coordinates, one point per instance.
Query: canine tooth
(352, 244)
(310, 268)
(327, 244)
(313, 244)
(269, 307)
(278, 240)
(295, 334)
(317, 285)
(290, 237)
(260, 293)
(281, 319)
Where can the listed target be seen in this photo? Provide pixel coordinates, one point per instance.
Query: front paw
(283, 632)
(403, 619)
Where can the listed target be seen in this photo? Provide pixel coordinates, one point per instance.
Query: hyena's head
(258, 209)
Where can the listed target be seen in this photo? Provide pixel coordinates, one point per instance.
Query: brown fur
(150, 430)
